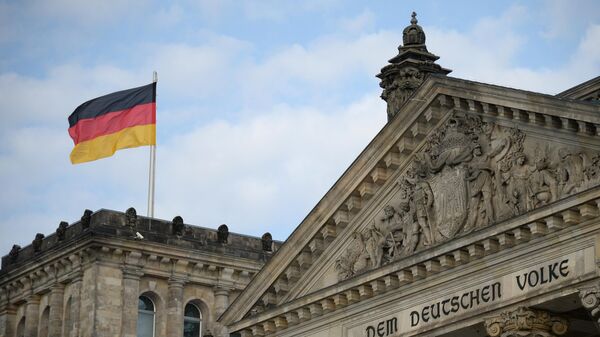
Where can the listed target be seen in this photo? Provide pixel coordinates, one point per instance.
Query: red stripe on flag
(112, 122)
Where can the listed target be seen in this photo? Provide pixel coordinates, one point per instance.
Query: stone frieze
(469, 174)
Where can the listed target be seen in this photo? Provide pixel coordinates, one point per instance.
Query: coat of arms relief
(468, 175)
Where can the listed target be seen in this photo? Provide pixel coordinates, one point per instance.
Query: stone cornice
(561, 216)
(134, 257)
(389, 152)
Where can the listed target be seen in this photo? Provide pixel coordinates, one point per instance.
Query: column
(7, 315)
(32, 314)
(221, 300)
(221, 304)
(525, 322)
(7, 321)
(57, 293)
(73, 330)
(131, 289)
(175, 307)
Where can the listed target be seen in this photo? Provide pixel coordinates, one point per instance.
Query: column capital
(57, 287)
(220, 291)
(33, 299)
(132, 273)
(525, 322)
(590, 299)
(177, 280)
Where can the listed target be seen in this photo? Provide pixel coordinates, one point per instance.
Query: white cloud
(260, 173)
(364, 21)
(565, 18)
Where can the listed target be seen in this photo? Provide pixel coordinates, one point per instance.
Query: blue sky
(261, 104)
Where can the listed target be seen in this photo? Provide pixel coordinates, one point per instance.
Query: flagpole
(152, 168)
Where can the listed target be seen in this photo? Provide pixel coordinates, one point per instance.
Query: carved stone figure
(544, 186)
(480, 189)
(374, 238)
(14, 253)
(467, 175)
(592, 170)
(61, 231)
(37, 242)
(525, 322)
(423, 197)
(403, 235)
(222, 233)
(571, 170)
(131, 218)
(267, 242)
(519, 189)
(86, 219)
(355, 258)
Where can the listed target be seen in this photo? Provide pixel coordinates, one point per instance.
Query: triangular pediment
(459, 157)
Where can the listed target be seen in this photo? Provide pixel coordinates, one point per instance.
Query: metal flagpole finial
(154, 76)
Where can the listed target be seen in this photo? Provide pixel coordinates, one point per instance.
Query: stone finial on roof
(413, 34)
(178, 227)
(86, 218)
(131, 217)
(14, 253)
(61, 231)
(408, 69)
(222, 233)
(267, 242)
(37, 242)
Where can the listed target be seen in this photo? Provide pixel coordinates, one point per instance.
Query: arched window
(192, 321)
(21, 327)
(145, 323)
(43, 326)
(67, 324)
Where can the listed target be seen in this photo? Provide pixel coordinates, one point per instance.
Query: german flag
(120, 120)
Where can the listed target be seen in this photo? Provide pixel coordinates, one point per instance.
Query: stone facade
(474, 212)
(86, 279)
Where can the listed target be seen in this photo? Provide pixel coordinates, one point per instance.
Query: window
(192, 321)
(43, 326)
(145, 323)
(21, 328)
(67, 325)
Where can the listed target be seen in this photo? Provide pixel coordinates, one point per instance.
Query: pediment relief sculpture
(468, 175)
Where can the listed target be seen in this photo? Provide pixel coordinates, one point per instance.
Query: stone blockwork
(86, 279)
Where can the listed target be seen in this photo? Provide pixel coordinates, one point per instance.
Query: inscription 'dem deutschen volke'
(452, 305)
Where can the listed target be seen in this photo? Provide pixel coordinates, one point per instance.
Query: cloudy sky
(261, 104)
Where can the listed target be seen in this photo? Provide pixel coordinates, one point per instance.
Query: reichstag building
(474, 212)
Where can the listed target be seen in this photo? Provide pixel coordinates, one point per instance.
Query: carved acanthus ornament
(525, 322)
(468, 175)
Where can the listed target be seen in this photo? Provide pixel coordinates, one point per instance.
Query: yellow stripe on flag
(107, 145)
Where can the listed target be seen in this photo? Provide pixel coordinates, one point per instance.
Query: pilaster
(7, 315)
(74, 329)
(131, 289)
(57, 293)
(32, 311)
(175, 306)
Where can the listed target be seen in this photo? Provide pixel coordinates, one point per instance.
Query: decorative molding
(525, 322)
